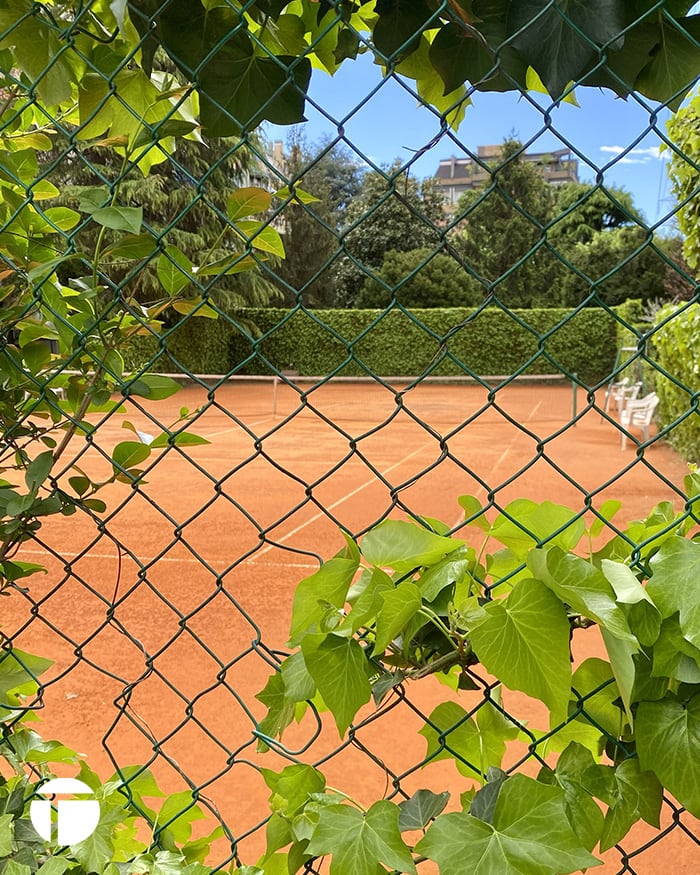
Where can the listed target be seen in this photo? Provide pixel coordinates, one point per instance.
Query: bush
(440, 281)
(435, 341)
(677, 345)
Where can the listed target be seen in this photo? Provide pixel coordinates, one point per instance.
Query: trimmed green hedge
(677, 351)
(440, 342)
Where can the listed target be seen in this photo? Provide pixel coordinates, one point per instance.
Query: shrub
(677, 346)
(435, 342)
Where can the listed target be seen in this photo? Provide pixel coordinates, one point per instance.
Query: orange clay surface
(158, 619)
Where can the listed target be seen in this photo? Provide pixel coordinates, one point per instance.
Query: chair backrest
(641, 410)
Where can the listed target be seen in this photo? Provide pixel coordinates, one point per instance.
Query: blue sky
(620, 139)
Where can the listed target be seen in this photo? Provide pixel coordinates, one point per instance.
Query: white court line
(501, 459)
(212, 562)
(335, 504)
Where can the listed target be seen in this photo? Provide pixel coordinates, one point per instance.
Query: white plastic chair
(639, 413)
(621, 393)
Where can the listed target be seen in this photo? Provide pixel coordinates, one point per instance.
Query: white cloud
(637, 155)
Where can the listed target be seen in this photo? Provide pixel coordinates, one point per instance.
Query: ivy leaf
(328, 585)
(238, 89)
(555, 38)
(280, 707)
(359, 841)
(340, 670)
(582, 586)
(583, 813)
(524, 640)
(530, 835)
(452, 569)
(674, 65)
(668, 744)
(674, 584)
(398, 606)
(403, 546)
(397, 32)
(96, 851)
(674, 656)
(642, 614)
(475, 744)
(636, 794)
(421, 808)
(525, 523)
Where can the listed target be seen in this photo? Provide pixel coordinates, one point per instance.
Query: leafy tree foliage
(393, 211)
(184, 198)
(421, 278)
(311, 230)
(500, 231)
(684, 131)
(543, 246)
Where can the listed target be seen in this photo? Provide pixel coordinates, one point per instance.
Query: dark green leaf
(178, 439)
(38, 470)
(154, 387)
(635, 795)
(18, 668)
(171, 127)
(421, 808)
(127, 454)
(675, 62)
(555, 38)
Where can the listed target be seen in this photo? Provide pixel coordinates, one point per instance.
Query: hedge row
(357, 342)
(677, 351)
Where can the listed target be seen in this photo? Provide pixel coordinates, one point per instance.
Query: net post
(574, 380)
(275, 381)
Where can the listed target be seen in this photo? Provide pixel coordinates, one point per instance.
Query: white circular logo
(65, 821)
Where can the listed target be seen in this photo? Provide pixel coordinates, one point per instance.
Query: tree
(311, 229)
(183, 195)
(684, 170)
(393, 211)
(440, 281)
(500, 231)
(581, 210)
(636, 268)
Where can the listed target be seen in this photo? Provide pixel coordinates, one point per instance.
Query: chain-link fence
(221, 351)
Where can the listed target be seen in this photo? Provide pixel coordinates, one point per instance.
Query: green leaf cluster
(410, 601)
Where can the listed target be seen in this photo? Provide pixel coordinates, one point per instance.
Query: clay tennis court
(215, 542)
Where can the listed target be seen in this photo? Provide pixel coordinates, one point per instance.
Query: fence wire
(166, 609)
